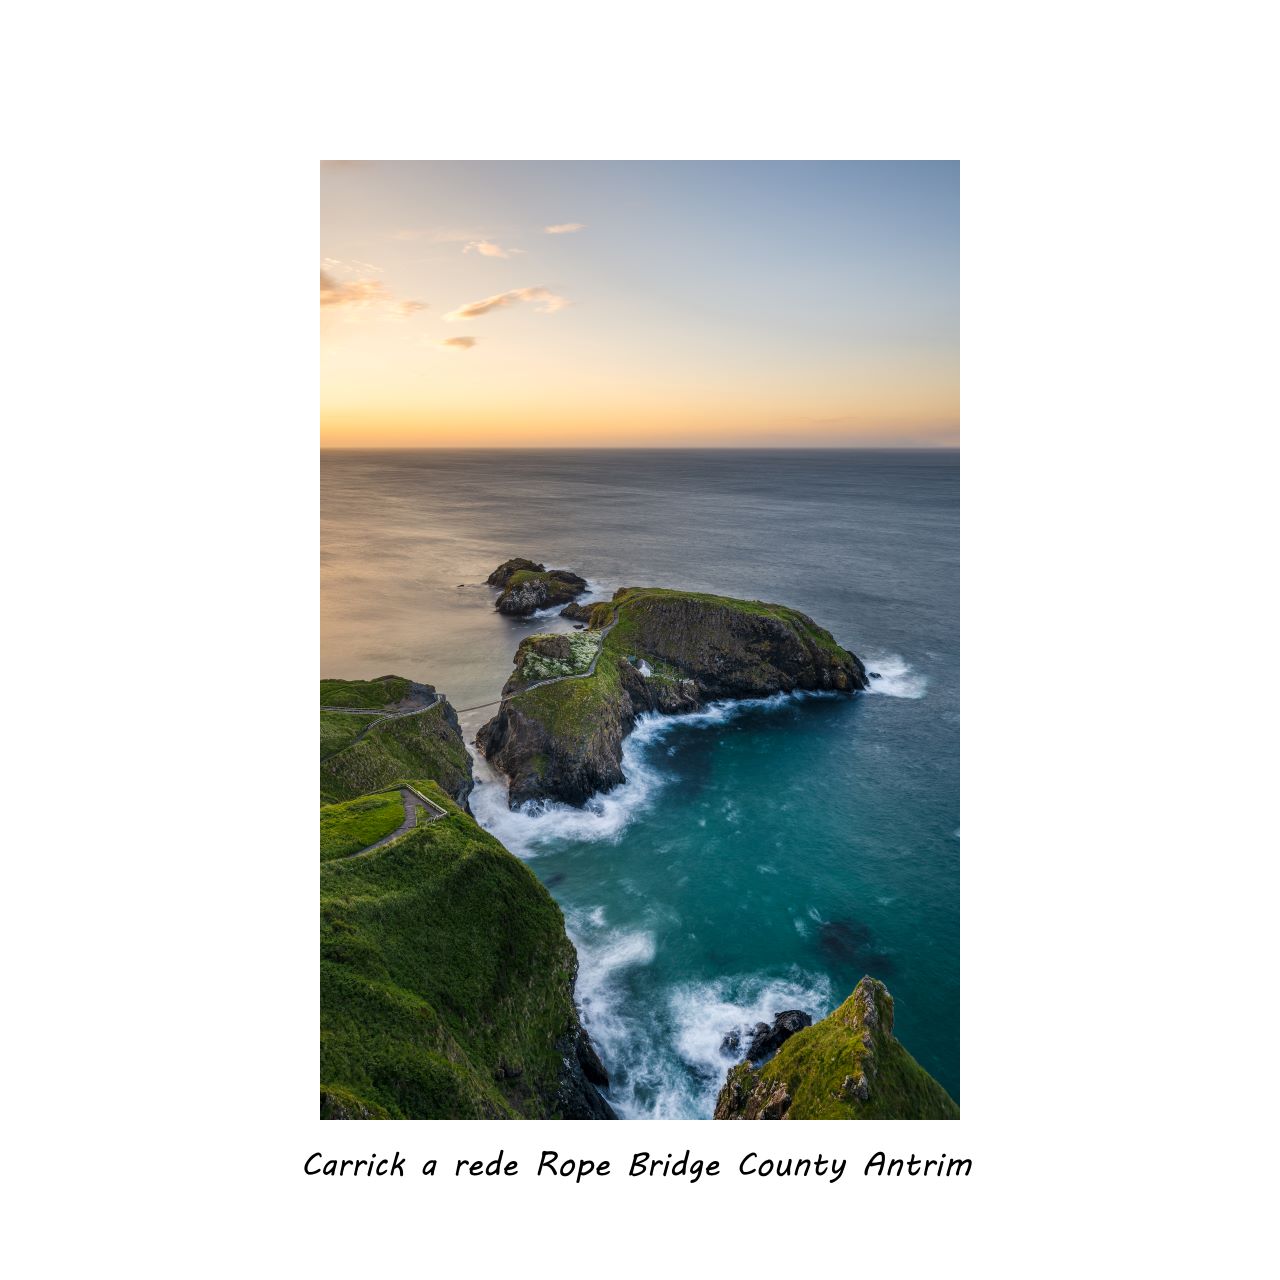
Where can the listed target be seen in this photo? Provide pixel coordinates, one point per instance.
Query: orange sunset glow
(629, 304)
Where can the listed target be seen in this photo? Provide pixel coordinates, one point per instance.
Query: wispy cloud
(563, 228)
(362, 295)
(551, 302)
(458, 344)
(489, 249)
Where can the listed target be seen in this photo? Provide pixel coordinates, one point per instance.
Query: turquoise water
(761, 856)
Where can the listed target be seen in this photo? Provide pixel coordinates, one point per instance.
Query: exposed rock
(765, 1039)
(577, 1097)
(564, 741)
(731, 1043)
(849, 1066)
(589, 1060)
(527, 587)
(577, 611)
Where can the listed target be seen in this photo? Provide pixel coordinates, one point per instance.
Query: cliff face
(849, 1066)
(446, 985)
(361, 752)
(659, 650)
(446, 975)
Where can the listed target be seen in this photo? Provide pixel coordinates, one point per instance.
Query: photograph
(639, 697)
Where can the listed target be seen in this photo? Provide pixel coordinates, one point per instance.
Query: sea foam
(606, 815)
(898, 678)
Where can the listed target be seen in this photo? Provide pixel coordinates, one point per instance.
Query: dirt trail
(413, 805)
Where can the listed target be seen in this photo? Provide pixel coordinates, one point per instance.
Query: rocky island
(849, 1066)
(528, 586)
(446, 975)
(572, 699)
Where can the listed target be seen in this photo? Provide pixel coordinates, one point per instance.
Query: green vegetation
(424, 745)
(525, 576)
(537, 660)
(356, 824)
(635, 607)
(446, 979)
(374, 694)
(339, 729)
(849, 1066)
(568, 710)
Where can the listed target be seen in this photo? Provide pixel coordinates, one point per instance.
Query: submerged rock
(849, 1066)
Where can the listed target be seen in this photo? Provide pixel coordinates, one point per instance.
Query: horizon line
(654, 448)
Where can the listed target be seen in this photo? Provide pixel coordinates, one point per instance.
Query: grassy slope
(356, 824)
(339, 728)
(570, 707)
(423, 745)
(373, 694)
(443, 962)
(814, 1063)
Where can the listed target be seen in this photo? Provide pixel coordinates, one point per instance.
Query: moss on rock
(849, 1066)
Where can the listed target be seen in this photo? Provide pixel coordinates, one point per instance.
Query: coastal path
(415, 804)
(380, 718)
(538, 684)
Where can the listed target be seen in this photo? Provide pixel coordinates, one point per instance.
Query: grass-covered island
(572, 699)
(446, 975)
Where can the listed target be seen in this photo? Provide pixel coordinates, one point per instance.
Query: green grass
(634, 601)
(445, 978)
(425, 745)
(815, 1063)
(356, 824)
(522, 576)
(374, 694)
(339, 728)
(569, 709)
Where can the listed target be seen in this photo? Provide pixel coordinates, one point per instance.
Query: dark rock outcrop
(528, 586)
(766, 1039)
(577, 612)
(564, 741)
(589, 1060)
(577, 1097)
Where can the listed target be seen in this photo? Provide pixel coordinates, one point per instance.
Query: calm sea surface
(761, 856)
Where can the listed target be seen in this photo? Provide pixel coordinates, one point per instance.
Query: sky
(633, 303)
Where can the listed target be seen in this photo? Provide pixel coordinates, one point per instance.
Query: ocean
(761, 856)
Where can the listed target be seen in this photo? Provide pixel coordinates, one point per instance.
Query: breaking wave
(674, 1065)
(606, 815)
(898, 679)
